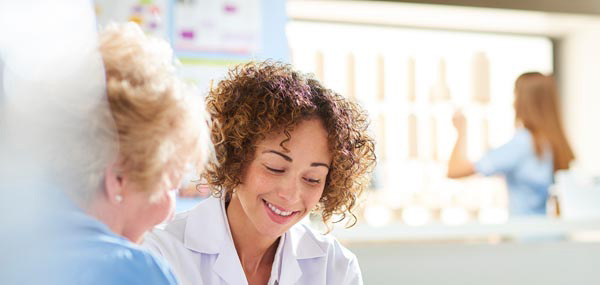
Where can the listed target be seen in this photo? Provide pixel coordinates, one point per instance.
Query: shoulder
(328, 244)
(175, 228)
(327, 253)
(519, 146)
(195, 227)
(522, 137)
(166, 235)
(110, 261)
(96, 255)
(145, 267)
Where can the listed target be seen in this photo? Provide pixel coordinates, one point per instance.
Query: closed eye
(275, 170)
(312, 181)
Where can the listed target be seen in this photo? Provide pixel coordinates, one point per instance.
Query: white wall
(579, 53)
(580, 79)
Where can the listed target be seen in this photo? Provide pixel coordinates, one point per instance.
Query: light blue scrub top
(96, 255)
(527, 176)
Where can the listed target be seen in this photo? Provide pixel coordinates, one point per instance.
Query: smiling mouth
(277, 211)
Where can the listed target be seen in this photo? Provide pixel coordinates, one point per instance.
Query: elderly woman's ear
(113, 184)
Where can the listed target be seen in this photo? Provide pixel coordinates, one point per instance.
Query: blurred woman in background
(150, 132)
(537, 150)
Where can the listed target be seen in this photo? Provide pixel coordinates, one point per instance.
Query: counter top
(515, 229)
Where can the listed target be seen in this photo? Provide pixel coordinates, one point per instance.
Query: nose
(289, 191)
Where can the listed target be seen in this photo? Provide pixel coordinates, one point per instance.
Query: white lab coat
(198, 246)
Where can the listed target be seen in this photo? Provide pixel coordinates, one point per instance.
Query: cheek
(311, 197)
(257, 183)
(162, 208)
(170, 205)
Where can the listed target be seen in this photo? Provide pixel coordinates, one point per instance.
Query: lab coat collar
(207, 231)
(228, 265)
(206, 227)
(299, 243)
(303, 244)
(290, 267)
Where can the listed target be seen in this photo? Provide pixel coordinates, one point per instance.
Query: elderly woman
(286, 146)
(131, 188)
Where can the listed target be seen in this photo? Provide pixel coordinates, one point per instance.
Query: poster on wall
(217, 26)
(151, 15)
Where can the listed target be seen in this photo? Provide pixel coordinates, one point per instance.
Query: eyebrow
(289, 159)
(319, 164)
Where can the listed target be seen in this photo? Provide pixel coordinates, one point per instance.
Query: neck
(107, 213)
(254, 249)
(519, 123)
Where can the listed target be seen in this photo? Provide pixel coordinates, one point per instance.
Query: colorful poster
(151, 15)
(217, 26)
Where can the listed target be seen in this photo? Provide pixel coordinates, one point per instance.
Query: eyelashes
(274, 169)
(279, 171)
(312, 181)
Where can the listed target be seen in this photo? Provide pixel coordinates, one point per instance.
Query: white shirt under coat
(199, 247)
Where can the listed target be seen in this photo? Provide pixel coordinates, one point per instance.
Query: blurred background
(411, 64)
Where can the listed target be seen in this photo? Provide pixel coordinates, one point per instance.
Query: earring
(118, 198)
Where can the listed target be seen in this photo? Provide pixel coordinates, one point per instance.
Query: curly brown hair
(260, 98)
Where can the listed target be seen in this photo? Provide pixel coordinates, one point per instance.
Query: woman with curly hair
(286, 146)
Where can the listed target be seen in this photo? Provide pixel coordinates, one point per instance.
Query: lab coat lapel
(207, 232)
(228, 265)
(290, 269)
(205, 228)
(299, 244)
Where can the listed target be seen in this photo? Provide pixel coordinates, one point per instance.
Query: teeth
(277, 211)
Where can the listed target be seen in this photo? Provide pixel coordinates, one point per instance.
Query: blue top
(93, 254)
(527, 176)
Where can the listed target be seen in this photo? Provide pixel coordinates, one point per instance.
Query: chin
(275, 230)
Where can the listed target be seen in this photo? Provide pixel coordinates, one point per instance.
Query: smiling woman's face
(281, 187)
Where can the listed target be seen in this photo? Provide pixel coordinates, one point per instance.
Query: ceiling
(589, 7)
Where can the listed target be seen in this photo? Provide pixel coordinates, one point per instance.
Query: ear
(113, 184)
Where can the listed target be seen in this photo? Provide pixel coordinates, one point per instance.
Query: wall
(560, 6)
(544, 263)
(577, 36)
(579, 57)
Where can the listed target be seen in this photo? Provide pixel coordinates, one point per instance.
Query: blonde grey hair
(152, 126)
